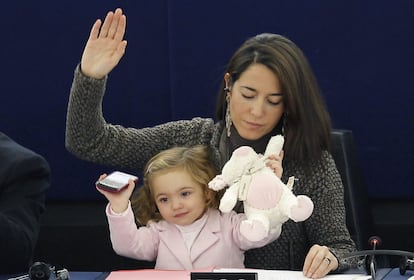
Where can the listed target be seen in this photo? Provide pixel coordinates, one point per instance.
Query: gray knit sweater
(89, 137)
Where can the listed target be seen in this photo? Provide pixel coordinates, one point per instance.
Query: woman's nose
(257, 108)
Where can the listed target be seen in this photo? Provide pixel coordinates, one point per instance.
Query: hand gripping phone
(116, 181)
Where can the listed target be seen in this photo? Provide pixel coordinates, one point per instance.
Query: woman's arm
(90, 137)
(326, 228)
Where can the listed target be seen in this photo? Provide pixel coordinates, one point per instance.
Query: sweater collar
(259, 145)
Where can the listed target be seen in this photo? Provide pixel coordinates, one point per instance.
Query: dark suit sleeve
(24, 179)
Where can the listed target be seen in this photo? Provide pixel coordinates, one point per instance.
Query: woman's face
(255, 102)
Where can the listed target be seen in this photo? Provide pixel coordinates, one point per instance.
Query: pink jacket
(219, 243)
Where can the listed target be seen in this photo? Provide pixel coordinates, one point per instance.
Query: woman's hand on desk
(319, 262)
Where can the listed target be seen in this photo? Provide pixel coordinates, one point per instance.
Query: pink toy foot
(302, 210)
(253, 230)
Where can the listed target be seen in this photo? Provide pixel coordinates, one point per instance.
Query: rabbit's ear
(290, 182)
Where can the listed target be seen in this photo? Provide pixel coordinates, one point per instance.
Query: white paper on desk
(292, 275)
(153, 274)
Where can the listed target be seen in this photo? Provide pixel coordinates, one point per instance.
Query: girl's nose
(176, 204)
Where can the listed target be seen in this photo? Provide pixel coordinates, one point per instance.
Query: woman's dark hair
(307, 124)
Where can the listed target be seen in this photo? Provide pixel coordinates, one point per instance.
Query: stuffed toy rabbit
(267, 201)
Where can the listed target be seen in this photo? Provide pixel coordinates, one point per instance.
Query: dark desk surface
(77, 275)
(394, 274)
(74, 275)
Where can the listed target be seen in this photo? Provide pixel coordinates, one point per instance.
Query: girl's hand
(274, 162)
(319, 262)
(105, 46)
(118, 200)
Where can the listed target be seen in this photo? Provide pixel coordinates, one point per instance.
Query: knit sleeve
(327, 224)
(90, 137)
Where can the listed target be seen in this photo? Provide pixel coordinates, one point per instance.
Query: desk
(382, 274)
(394, 274)
(74, 275)
(78, 275)
(150, 274)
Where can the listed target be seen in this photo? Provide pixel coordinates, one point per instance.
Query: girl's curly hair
(195, 160)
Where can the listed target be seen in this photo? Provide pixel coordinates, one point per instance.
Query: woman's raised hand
(105, 46)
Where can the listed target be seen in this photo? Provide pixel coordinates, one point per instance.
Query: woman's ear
(227, 79)
(227, 82)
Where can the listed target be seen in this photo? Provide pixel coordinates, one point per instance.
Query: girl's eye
(163, 200)
(187, 193)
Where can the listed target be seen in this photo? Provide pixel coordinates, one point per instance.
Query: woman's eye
(275, 102)
(247, 96)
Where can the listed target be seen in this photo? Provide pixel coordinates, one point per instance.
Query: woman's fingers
(106, 25)
(93, 35)
(275, 163)
(319, 262)
(115, 26)
(120, 30)
(105, 46)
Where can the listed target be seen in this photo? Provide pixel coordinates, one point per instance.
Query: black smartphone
(116, 181)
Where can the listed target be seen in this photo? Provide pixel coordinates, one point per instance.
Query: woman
(268, 89)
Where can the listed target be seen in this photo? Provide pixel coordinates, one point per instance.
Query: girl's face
(178, 197)
(255, 102)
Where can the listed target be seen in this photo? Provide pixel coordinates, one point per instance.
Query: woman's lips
(253, 124)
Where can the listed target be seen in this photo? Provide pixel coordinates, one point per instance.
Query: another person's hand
(105, 46)
(118, 200)
(319, 262)
(274, 162)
